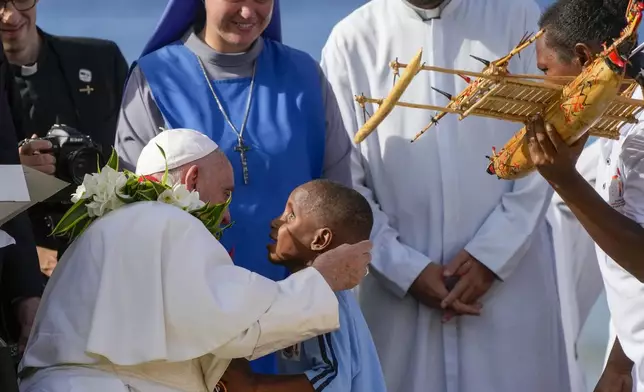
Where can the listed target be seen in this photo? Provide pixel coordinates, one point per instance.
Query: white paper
(14, 184)
(6, 239)
(39, 186)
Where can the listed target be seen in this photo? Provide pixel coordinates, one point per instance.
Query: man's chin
(272, 255)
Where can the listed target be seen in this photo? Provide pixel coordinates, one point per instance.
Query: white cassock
(433, 198)
(147, 298)
(578, 277)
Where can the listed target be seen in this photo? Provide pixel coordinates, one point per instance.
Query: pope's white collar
(427, 14)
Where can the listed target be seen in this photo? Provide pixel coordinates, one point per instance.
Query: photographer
(21, 283)
(77, 82)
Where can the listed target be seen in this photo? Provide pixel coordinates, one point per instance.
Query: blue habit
(285, 132)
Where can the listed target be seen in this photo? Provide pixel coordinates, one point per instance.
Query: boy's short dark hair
(342, 209)
(591, 22)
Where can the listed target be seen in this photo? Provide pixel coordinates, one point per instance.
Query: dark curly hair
(591, 22)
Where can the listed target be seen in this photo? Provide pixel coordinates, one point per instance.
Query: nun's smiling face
(233, 25)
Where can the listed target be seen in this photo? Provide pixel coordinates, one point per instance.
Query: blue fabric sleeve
(331, 358)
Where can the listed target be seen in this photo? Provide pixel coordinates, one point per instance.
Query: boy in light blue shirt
(319, 215)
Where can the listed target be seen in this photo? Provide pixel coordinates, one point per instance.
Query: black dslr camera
(76, 153)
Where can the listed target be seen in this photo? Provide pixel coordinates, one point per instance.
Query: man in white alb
(148, 299)
(579, 280)
(435, 206)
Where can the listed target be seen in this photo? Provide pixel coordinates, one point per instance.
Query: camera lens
(83, 161)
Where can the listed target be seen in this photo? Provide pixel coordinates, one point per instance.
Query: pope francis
(147, 299)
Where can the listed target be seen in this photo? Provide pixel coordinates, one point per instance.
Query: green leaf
(165, 174)
(79, 228)
(212, 215)
(74, 219)
(159, 188)
(147, 194)
(113, 162)
(70, 216)
(125, 198)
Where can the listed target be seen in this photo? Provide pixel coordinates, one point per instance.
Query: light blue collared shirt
(341, 361)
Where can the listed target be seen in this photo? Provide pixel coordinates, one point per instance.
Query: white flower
(181, 197)
(195, 202)
(102, 188)
(81, 193)
(167, 197)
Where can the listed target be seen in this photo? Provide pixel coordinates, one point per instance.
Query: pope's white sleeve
(304, 307)
(396, 263)
(502, 240)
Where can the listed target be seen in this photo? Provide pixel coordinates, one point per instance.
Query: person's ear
(190, 178)
(321, 240)
(584, 55)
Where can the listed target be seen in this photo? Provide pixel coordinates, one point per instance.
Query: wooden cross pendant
(241, 148)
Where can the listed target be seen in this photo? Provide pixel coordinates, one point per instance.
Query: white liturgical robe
(147, 297)
(578, 277)
(433, 198)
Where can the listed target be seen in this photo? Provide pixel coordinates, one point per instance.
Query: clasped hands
(455, 288)
(555, 160)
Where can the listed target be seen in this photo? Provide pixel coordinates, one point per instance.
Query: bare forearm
(617, 358)
(282, 383)
(620, 237)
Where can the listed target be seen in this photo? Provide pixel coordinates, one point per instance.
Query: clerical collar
(428, 14)
(28, 70)
(25, 71)
(192, 41)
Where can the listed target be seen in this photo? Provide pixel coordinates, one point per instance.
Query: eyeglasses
(19, 5)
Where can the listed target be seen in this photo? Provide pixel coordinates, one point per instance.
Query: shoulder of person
(514, 6)
(363, 27)
(633, 142)
(296, 55)
(361, 22)
(298, 60)
(85, 46)
(155, 216)
(348, 306)
(630, 144)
